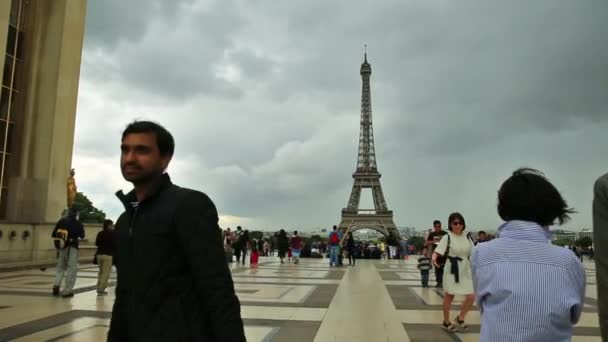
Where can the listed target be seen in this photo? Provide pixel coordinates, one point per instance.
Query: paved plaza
(378, 300)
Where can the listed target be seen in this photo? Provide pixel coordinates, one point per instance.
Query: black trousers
(439, 274)
(351, 255)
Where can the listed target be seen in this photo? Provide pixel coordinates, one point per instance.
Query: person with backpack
(237, 243)
(65, 236)
(334, 246)
(296, 247)
(282, 244)
(244, 242)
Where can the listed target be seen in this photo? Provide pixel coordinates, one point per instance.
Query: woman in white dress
(457, 277)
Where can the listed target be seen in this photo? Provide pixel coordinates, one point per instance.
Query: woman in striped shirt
(527, 289)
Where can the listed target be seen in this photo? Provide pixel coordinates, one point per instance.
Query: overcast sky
(263, 98)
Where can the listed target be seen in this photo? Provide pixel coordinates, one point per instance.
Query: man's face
(437, 227)
(481, 236)
(140, 160)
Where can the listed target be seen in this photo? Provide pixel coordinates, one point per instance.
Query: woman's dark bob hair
(529, 196)
(456, 216)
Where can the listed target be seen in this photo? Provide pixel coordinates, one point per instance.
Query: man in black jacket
(173, 280)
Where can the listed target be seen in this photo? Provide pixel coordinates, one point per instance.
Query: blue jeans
(333, 255)
(67, 264)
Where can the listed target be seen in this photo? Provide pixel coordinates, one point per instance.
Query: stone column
(54, 34)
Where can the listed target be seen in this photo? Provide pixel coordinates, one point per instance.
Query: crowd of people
(174, 283)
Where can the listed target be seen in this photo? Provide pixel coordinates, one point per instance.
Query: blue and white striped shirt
(527, 289)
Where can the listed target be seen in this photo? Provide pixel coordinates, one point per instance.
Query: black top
(105, 242)
(74, 227)
(173, 282)
(435, 237)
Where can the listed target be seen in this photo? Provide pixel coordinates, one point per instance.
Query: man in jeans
(334, 247)
(66, 234)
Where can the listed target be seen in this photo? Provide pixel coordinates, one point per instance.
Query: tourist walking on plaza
(350, 248)
(432, 240)
(105, 251)
(424, 265)
(600, 238)
(296, 247)
(244, 244)
(334, 246)
(173, 280)
(282, 244)
(527, 288)
(65, 235)
(237, 243)
(393, 244)
(456, 248)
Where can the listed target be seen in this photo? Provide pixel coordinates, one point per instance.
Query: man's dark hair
(295, 232)
(481, 232)
(335, 227)
(164, 139)
(107, 223)
(529, 196)
(436, 222)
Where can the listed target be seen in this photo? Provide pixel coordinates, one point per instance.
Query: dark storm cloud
(263, 98)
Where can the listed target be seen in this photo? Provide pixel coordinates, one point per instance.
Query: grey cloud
(110, 22)
(463, 93)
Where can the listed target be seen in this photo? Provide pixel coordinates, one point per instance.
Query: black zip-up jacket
(173, 280)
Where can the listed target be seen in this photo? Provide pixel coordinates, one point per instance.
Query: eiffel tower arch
(366, 176)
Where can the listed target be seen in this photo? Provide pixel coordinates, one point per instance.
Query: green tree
(88, 212)
(563, 242)
(584, 242)
(316, 237)
(256, 234)
(417, 241)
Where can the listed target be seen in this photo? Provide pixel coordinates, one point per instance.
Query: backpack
(334, 239)
(61, 238)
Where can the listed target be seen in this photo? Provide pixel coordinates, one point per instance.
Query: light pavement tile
(431, 297)
(265, 312)
(42, 284)
(259, 333)
(361, 292)
(309, 314)
(431, 316)
(408, 276)
(403, 282)
(263, 273)
(591, 291)
(238, 279)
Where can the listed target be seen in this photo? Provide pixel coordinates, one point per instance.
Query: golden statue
(71, 184)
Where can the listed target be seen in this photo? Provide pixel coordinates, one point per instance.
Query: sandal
(460, 323)
(448, 326)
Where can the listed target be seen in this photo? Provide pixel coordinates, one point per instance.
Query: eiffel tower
(367, 176)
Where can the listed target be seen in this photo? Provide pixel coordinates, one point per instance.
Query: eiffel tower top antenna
(365, 53)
